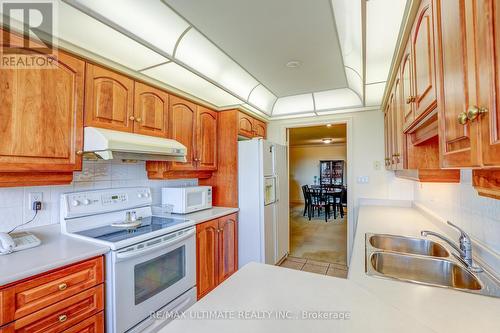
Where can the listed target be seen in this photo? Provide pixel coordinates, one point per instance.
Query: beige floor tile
(292, 264)
(296, 259)
(317, 263)
(315, 268)
(338, 266)
(337, 273)
(317, 240)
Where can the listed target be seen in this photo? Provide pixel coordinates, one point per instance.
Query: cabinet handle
(410, 99)
(79, 153)
(473, 112)
(131, 118)
(139, 119)
(62, 286)
(62, 318)
(462, 118)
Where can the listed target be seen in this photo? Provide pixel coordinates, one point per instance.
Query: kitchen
(143, 168)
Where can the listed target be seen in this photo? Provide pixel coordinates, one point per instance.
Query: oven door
(149, 275)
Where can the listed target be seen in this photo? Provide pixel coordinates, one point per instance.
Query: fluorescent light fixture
(293, 116)
(374, 93)
(81, 30)
(150, 20)
(254, 110)
(197, 52)
(293, 104)
(383, 22)
(178, 77)
(262, 98)
(348, 19)
(336, 99)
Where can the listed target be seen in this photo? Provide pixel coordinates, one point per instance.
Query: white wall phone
(17, 241)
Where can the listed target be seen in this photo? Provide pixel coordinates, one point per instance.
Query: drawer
(62, 315)
(37, 293)
(94, 324)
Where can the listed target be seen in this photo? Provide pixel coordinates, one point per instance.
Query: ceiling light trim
(179, 40)
(153, 66)
(251, 91)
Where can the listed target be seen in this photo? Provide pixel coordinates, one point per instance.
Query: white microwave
(186, 200)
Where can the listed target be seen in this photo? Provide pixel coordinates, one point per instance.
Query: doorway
(318, 197)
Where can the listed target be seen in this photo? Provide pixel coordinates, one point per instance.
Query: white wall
(304, 165)
(365, 146)
(460, 204)
(14, 201)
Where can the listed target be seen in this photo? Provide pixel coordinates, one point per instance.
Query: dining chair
(307, 199)
(319, 201)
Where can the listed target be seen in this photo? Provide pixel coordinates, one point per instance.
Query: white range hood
(108, 144)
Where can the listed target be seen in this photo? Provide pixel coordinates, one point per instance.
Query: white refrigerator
(263, 229)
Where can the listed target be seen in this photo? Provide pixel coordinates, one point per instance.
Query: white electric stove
(152, 263)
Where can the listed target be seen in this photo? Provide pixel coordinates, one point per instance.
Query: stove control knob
(146, 194)
(140, 195)
(86, 202)
(75, 203)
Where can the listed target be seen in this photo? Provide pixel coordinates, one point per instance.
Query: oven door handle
(121, 256)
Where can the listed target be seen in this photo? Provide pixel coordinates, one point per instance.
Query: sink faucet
(465, 245)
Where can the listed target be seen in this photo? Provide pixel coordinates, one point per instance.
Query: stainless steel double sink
(423, 261)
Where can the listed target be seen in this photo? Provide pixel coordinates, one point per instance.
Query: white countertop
(375, 304)
(207, 214)
(56, 250)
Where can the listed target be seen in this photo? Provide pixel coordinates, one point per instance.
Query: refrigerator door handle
(277, 188)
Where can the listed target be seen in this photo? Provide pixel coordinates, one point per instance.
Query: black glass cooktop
(115, 234)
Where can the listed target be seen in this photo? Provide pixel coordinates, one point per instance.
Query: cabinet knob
(131, 118)
(473, 112)
(462, 118)
(139, 119)
(62, 318)
(62, 286)
(410, 99)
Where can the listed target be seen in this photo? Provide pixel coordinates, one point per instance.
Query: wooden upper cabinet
(150, 110)
(182, 129)
(41, 112)
(423, 60)
(206, 137)
(488, 46)
(456, 80)
(260, 129)
(387, 140)
(109, 99)
(245, 125)
(407, 88)
(250, 127)
(228, 246)
(207, 253)
(397, 125)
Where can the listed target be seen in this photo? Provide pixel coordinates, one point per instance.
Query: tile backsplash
(14, 201)
(460, 203)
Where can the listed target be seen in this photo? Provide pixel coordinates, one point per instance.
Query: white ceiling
(233, 52)
(262, 36)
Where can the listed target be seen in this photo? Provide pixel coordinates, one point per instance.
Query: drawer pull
(63, 318)
(63, 286)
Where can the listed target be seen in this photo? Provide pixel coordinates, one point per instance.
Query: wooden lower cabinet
(216, 252)
(70, 299)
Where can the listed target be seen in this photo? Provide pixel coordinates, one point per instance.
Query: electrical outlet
(363, 180)
(34, 196)
(377, 165)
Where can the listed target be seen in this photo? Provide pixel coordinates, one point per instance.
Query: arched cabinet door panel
(109, 101)
(41, 112)
(150, 111)
(206, 139)
(182, 129)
